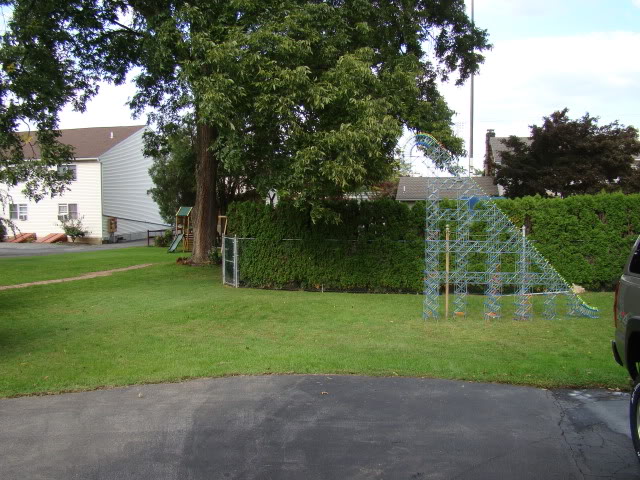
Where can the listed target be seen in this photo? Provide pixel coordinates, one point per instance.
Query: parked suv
(626, 346)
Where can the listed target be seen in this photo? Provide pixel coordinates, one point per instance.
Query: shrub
(163, 240)
(587, 238)
(73, 228)
(379, 246)
(214, 256)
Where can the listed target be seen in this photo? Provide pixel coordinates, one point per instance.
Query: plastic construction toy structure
(470, 229)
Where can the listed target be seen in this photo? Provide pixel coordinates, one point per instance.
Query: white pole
(471, 110)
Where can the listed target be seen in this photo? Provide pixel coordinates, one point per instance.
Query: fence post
(224, 263)
(235, 261)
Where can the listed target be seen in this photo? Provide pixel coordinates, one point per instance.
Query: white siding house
(111, 180)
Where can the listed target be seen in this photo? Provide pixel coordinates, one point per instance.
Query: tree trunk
(204, 223)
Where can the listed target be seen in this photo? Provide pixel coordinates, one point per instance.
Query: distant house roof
(412, 189)
(498, 148)
(87, 142)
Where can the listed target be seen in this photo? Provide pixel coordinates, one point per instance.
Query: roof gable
(86, 142)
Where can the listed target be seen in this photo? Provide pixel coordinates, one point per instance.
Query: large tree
(305, 97)
(568, 157)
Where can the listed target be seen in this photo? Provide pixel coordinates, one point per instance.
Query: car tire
(634, 418)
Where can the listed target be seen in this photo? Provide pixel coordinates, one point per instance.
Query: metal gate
(230, 261)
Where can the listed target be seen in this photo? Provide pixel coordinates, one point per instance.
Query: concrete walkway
(317, 427)
(37, 249)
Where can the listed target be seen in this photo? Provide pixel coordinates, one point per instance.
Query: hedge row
(378, 246)
(588, 238)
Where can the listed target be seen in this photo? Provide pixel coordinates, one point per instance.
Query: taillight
(615, 306)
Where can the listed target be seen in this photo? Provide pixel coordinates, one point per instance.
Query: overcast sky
(551, 54)
(547, 55)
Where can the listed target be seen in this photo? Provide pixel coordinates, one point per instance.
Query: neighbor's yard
(169, 322)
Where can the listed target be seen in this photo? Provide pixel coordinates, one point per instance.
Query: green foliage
(568, 157)
(215, 258)
(172, 172)
(308, 98)
(163, 240)
(378, 246)
(3, 231)
(587, 238)
(375, 247)
(73, 228)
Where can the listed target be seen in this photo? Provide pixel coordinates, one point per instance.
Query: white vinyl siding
(85, 192)
(126, 180)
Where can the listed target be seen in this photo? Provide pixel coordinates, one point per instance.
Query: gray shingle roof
(411, 189)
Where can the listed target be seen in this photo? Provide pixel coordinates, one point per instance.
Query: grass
(170, 322)
(32, 269)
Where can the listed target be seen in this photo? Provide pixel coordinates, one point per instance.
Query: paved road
(317, 427)
(30, 249)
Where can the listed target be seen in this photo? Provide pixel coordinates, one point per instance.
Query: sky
(547, 55)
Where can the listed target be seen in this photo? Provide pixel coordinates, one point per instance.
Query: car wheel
(634, 416)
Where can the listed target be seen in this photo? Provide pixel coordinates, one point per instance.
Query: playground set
(183, 230)
(454, 244)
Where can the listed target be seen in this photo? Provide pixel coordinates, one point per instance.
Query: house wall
(42, 217)
(125, 182)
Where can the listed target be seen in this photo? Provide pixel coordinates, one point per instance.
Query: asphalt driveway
(37, 249)
(317, 427)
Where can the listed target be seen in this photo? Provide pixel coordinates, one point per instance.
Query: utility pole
(471, 110)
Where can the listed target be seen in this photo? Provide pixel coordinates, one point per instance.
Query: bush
(214, 256)
(73, 228)
(3, 231)
(587, 238)
(163, 240)
(379, 245)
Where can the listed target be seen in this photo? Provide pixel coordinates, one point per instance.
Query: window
(18, 211)
(634, 266)
(68, 168)
(67, 211)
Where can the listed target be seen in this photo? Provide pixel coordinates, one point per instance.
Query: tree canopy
(568, 157)
(308, 98)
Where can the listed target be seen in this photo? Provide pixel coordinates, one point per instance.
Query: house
(495, 147)
(413, 189)
(110, 181)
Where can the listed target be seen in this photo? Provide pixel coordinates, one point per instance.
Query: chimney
(489, 162)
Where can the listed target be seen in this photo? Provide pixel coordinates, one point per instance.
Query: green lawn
(169, 322)
(33, 269)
